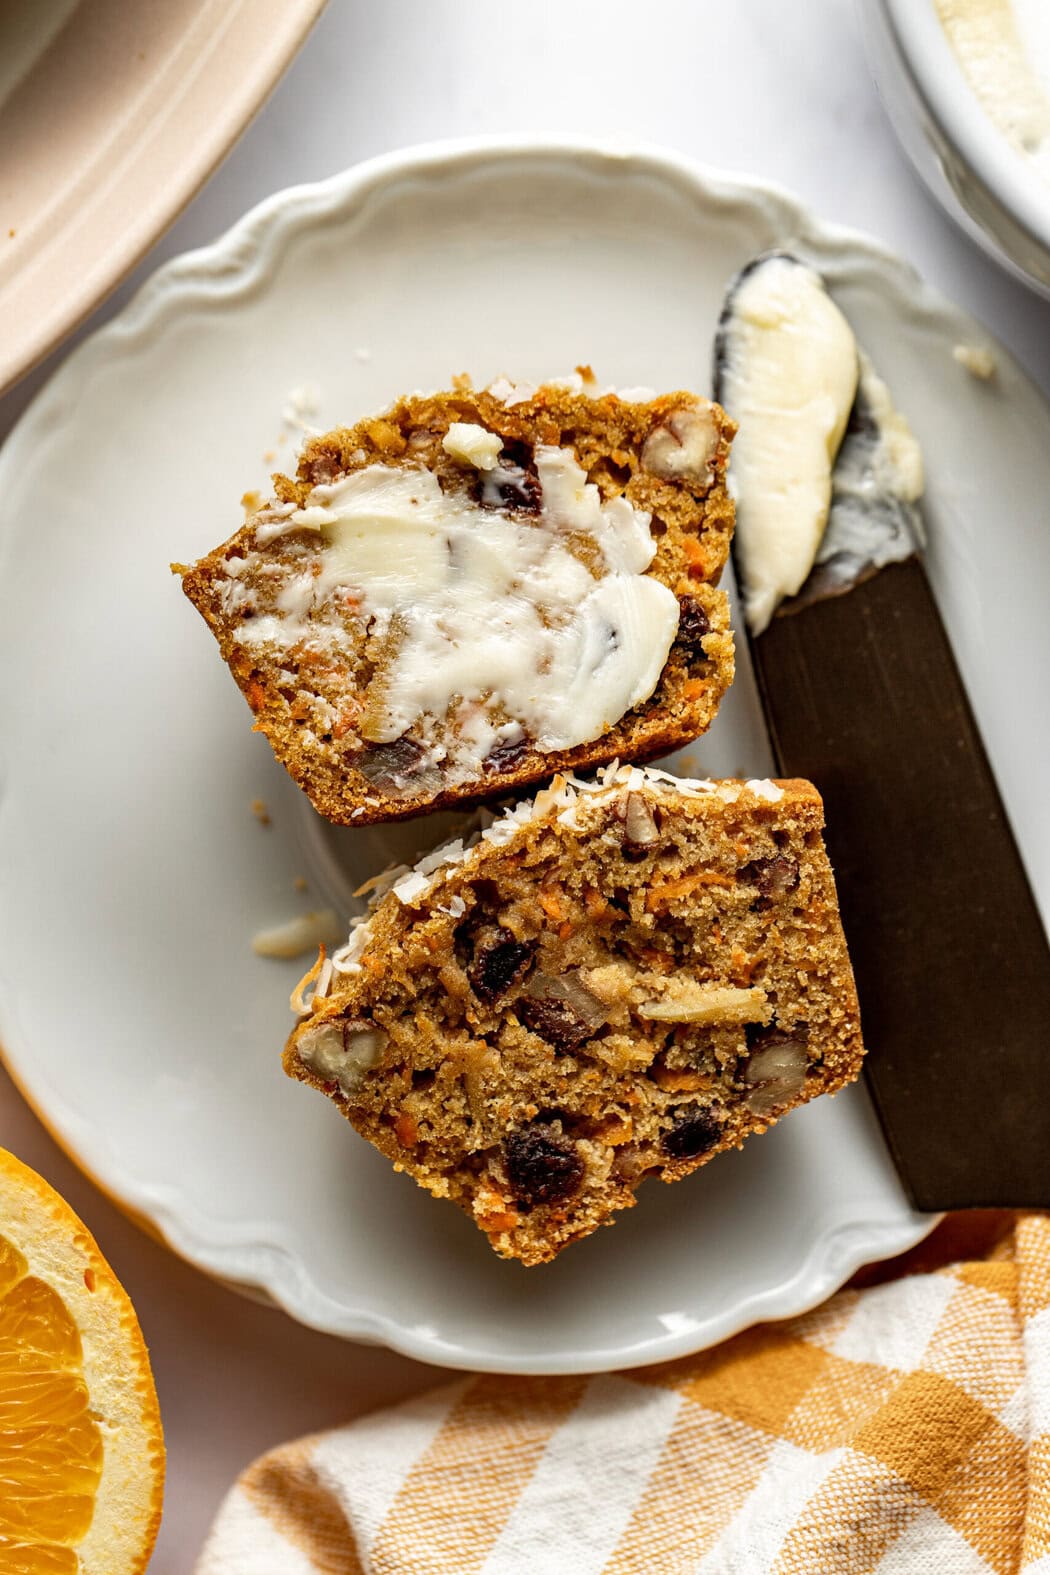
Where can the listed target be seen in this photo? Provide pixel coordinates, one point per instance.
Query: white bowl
(979, 179)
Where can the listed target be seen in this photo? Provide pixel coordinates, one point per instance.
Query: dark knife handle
(862, 695)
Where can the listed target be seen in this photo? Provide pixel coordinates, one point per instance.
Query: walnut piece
(640, 830)
(342, 1052)
(563, 1012)
(776, 1073)
(683, 447)
(773, 877)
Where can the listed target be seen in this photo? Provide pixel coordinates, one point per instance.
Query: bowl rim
(939, 80)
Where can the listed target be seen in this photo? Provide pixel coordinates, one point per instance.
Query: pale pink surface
(751, 88)
(110, 130)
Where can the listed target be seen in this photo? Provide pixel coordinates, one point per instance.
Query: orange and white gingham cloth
(902, 1427)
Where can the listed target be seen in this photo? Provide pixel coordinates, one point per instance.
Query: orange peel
(81, 1445)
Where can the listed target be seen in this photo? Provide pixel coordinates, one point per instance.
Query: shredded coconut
(763, 788)
(563, 801)
(509, 393)
(345, 959)
(448, 853)
(640, 394)
(380, 884)
(324, 980)
(409, 887)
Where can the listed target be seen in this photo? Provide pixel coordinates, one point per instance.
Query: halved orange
(81, 1448)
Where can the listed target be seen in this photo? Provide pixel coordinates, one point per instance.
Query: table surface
(778, 91)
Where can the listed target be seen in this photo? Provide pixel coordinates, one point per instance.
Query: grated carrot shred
(674, 1080)
(491, 1223)
(615, 1130)
(696, 556)
(406, 1130)
(659, 895)
(295, 1000)
(742, 967)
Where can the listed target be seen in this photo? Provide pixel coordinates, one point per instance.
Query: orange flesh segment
(50, 1445)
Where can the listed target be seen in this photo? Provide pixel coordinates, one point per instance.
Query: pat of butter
(1003, 47)
(384, 530)
(484, 616)
(789, 379)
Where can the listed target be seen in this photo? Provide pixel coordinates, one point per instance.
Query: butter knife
(862, 695)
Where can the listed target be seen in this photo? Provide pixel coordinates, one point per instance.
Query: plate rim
(236, 262)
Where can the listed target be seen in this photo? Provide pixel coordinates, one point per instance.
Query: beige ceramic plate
(112, 114)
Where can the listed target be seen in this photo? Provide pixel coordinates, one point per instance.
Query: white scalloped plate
(132, 871)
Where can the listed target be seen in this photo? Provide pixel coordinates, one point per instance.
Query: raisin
(499, 962)
(773, 877)
(693, 624)
(696, 1129)
(542, 1166)
(513, 484)
(504, 757)
(385, 765)
(554, 1021)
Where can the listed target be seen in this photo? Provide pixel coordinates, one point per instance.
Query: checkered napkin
(902, 1427)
